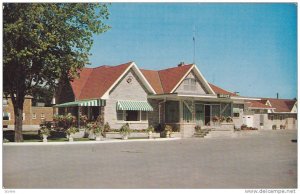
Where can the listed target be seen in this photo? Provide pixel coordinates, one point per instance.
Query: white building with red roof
(179, 96)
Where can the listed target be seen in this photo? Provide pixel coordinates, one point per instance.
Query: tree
(43, 43)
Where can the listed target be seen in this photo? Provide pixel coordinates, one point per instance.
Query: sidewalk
(86, 142)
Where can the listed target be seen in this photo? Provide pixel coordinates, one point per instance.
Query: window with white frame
(132, 115)
(42, 116)
(189, 84)
(6, 116)
(33, 116)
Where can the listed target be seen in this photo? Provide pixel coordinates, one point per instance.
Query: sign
(223, 96)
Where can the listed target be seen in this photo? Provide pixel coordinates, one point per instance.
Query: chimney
(180, 64)
(277, 95)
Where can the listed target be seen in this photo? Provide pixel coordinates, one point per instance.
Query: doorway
(207, 114)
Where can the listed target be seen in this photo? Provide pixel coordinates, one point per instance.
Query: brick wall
(10, 109)
(39, 112)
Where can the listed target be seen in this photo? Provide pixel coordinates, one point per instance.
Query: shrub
(44, 129)
(197, 128)
(229, 120)
(125, 129)
(222, 118)
(150, 129)
(282, 126)
(274, 127)
(244, 127)
(106, 127)
(72, 130)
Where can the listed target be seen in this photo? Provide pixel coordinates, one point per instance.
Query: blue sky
(249, 48)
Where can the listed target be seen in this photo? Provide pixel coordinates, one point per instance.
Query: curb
(86, 142)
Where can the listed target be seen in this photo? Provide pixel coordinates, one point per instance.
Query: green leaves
(46, 41)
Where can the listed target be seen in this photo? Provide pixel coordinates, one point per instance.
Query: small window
(120, 115)
(281, 117)
(271, 117)
(33, 116)
(236, 114)
(6, 116)
(189, 84)
(5, 102)
(144, 116)
(42, 116)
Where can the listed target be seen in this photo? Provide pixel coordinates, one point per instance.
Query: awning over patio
(134, 105)
(97, 102)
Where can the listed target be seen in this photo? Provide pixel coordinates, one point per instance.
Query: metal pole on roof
(194, 44)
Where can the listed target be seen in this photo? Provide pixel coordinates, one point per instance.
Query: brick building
(32, 115)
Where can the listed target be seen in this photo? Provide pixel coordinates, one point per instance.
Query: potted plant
(222, 119)
(44, 132)
(229, 120)
(282, 126)
(98, 130)
(244, 127)
(106, 128)
(150, 130)
(168, 131)
(197, 128)
(71, 131)
(274, 127)
(125, 131)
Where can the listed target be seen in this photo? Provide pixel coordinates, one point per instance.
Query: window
(271, 117)
(144, 115)
(132, 115)
(120, 115)
(5, 102)
(33, 116)
(187, 112)
(189, 84)
(236, 114)
(23, 117)
(6, 116)
(280, 117)
(42, 116)
(172, 112)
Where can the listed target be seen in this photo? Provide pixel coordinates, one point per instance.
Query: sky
(245, 48)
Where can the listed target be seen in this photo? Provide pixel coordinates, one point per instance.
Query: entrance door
(207, 112)
(199, 114)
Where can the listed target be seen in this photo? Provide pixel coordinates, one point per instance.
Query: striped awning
(134, 105)
(97, 102)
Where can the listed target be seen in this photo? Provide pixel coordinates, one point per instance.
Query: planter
(150, 135)
(125, 136)
(71, 138)
(99, 138)
(45, 138)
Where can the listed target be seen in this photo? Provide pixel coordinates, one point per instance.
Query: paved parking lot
(266, 159)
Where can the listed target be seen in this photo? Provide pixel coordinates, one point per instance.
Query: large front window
(132, 115)
(172, 111)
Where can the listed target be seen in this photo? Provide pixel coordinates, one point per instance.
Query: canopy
(97, 102)
(134, 105)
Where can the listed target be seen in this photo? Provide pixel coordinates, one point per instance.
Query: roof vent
(180, 64)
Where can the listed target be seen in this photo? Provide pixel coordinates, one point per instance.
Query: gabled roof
(281, 105)
(219, 90)
(258, 104)
(94, 82)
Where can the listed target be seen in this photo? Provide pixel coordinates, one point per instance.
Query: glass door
(199, 114)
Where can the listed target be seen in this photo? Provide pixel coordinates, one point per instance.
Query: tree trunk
(18, 124)
(18, 112)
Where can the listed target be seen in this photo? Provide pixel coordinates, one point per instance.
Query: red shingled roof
(219, 90)
(94, 82)
(282, 105)
(259, 105)
(153, 79)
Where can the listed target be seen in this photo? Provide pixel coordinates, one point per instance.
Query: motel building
(179, 96)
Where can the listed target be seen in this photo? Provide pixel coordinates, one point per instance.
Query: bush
(125, 129)
(106, 127)
(72, 130)
(197, 128)
(150, 129)
(45, 129)
(229, 120)
(274, 127)
(282, 126)
(244, 127)
(222, 119)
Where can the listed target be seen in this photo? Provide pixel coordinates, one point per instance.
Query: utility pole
(194, 62)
